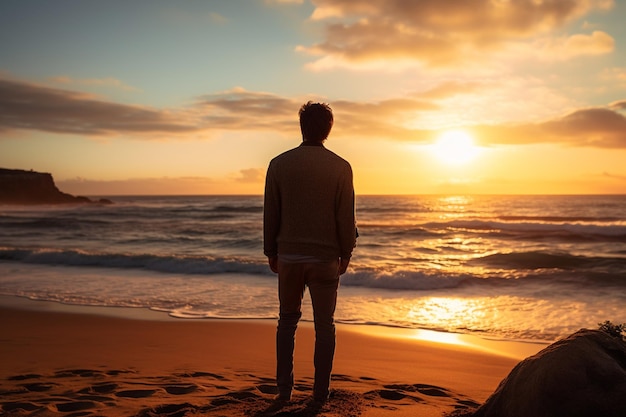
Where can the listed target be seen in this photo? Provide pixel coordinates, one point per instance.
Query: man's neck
(311, 143)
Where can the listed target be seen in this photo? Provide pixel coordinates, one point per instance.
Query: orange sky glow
(195, 98)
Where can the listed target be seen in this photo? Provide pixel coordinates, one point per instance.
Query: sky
(429, 96)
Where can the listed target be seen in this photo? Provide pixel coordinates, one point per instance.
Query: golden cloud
(592, 127)
(618, 105)
(439, 33)
(251, 175)
(32, 107)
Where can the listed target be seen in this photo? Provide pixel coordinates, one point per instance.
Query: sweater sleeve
(271, 214)
(346, 222)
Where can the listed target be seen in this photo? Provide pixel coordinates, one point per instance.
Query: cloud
(251, 175)
(439, 33)
(592, 127)
(191, 185)
(599, 127)
(614, 176)
(618, 105)
(34, 107)
(597, 43)
(239, 109)
(250, 102)
(29, 106)
(139, 186)
(246, 110)
(564, 48)
(389, 118)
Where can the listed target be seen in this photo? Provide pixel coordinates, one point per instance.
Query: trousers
(322, 279)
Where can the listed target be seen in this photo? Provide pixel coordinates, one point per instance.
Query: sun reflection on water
(453, 206)
(439, 337)
(442, 312)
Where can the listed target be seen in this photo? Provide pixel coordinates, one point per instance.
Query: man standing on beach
(309, 232)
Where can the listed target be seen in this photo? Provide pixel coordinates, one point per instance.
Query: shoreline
(514, 349)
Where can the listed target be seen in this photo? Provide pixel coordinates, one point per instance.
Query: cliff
(28, 187)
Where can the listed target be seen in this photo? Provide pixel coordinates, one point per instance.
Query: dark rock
(583, 375)
(30, 187)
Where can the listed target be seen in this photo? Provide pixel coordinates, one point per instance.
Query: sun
(455, 147)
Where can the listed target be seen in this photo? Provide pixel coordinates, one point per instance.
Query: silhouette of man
(309, 233)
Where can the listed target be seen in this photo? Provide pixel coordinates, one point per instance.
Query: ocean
(530, 268)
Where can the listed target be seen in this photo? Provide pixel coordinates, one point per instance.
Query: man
(309, 233)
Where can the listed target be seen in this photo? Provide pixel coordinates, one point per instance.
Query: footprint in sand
(242, 395)
(84, 373)
(390, 395)
(24, 377)
(19, 406)
(39, 386)
(181, 389)
(102, 388)
(468, 403)
(341, 403)
(218, 402)
(267, 389)
(397, 395)
(202, 375)
(236, 397)
(135, 393)
(429, 390)
(432, 391)
(116, 372)
(75, 406)
(170, 410)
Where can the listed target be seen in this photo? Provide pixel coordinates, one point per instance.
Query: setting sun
(455, 147)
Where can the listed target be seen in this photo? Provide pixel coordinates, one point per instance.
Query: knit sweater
(309, 204)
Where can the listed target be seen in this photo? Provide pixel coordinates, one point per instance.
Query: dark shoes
(315, 404)
(320, 398)
(283, 398)
(279, 402)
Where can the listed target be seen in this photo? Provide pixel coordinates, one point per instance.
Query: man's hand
(343, 265)
(273, 262)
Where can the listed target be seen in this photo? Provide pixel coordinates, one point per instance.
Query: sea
(515, 267)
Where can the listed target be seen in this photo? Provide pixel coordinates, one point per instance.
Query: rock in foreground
(581, 375)
(29, 187)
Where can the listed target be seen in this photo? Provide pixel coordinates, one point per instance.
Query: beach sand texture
(58, 363)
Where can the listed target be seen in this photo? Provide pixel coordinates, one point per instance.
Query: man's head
(316, 120)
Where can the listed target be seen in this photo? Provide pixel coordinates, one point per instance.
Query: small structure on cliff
(29, 187)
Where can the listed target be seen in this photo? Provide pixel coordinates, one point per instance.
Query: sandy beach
(91, 361)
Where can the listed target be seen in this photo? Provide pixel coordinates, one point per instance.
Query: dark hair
(316, 120)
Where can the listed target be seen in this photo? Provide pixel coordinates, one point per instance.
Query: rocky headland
(29, 187)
